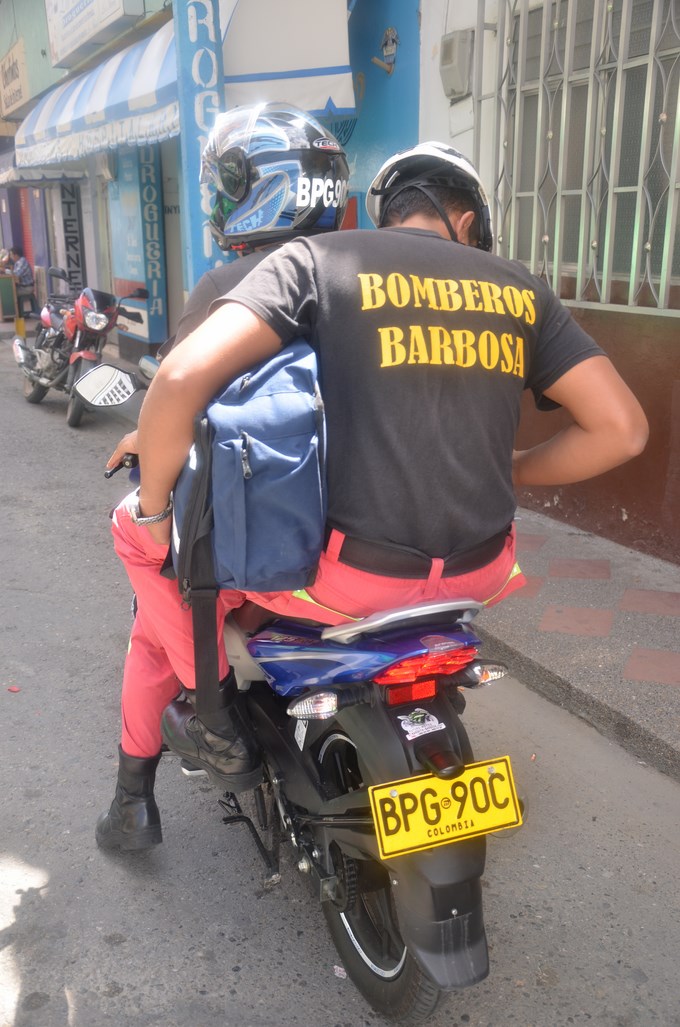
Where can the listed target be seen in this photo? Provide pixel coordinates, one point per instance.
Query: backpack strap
(196, 577)
(204, 620)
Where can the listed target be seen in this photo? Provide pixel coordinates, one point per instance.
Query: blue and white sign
(198, 44)
(137, 240)
(77, 27)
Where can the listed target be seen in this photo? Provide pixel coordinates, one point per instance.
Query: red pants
(161, 652)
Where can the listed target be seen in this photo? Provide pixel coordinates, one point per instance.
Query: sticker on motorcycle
(301, 733)
(441, 643)
(419, 722)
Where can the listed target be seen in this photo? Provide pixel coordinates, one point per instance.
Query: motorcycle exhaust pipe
(22, 354)
(26, 359)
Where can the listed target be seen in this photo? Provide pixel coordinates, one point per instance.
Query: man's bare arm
(229, 342)
(609, 428)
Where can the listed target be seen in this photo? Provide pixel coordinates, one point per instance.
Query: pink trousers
(161, 655)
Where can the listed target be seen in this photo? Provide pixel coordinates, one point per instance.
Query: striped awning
(10, 174)
(131, 98)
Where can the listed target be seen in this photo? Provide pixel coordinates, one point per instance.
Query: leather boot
(221, 742)
(133, 821)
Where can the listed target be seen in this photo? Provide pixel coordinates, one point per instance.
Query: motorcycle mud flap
(441, 924)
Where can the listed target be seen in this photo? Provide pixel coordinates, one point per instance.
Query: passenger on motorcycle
(242, 142)
(426, 342)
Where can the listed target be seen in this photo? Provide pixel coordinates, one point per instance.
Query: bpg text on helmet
(332, 193)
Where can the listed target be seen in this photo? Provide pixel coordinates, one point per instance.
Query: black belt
(396, 562)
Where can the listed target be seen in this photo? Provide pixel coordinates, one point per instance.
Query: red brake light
(395, 695)
(415, 677)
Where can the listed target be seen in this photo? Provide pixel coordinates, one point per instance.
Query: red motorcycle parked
(70, 340)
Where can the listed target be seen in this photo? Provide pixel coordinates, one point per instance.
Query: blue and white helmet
(277, 173)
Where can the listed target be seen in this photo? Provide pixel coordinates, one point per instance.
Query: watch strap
(154, 518)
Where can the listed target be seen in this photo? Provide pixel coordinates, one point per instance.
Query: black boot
(221, 742)
(133, 822)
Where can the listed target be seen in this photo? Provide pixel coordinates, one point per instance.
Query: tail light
(314, 706)
(415, 678)
(321, 704)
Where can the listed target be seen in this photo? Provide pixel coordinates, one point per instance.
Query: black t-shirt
(425, 348)
(210, 287)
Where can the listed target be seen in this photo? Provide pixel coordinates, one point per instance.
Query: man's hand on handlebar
(127, 445)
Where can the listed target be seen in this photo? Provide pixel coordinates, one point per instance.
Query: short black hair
(410, 201)
(16, 249)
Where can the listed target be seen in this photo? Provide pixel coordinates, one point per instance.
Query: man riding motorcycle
(273, 145)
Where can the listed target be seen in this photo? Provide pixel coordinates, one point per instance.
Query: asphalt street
(582, 903)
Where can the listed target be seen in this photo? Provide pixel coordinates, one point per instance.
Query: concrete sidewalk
(596, 630)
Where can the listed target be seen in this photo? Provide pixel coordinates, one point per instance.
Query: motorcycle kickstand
(235, 815)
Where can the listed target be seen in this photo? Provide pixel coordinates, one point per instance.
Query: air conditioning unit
(455, 63)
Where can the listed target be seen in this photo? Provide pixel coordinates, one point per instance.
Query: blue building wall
(387, 100)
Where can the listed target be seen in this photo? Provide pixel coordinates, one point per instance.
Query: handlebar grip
(129, 460)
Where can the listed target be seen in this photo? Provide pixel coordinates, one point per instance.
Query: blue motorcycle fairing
(294, 657)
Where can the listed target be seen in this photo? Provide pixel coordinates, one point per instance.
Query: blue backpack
(254, 482)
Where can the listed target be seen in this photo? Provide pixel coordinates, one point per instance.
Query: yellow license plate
(425, 811)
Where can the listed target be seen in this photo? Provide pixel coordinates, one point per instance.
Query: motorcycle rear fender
(437, 892)
(440, 916)
(385, 754)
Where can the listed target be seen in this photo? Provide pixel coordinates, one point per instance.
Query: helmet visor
(232, 174)
(224, 162)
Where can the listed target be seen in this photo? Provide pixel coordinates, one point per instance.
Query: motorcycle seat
(447, 611)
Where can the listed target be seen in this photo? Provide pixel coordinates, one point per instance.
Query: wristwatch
(137, 518)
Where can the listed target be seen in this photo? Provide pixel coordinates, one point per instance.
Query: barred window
(587, 147)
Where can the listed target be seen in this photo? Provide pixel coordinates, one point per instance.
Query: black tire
(368, 942)
(33, 393)
(75, 407)
(363, 922)
(74, 410)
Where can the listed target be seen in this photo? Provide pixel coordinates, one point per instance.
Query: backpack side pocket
(284, 514)
(229, 513)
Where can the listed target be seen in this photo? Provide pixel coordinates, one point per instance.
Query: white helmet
(429, 164)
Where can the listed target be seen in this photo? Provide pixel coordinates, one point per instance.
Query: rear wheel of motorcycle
(33, 392)
(376, 959)
(363, 922)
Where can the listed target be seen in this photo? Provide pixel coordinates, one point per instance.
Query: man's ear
(462, 227)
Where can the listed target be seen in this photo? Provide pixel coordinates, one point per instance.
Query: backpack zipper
(245, 463)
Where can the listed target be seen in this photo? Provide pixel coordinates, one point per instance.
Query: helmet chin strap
(421, 187)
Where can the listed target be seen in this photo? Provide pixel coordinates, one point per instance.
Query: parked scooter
(70, 340)
(369, 774)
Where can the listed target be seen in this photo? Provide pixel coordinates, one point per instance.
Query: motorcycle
(369, 774)
(70, 340)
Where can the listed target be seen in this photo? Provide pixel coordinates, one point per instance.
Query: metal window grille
(586, 128)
